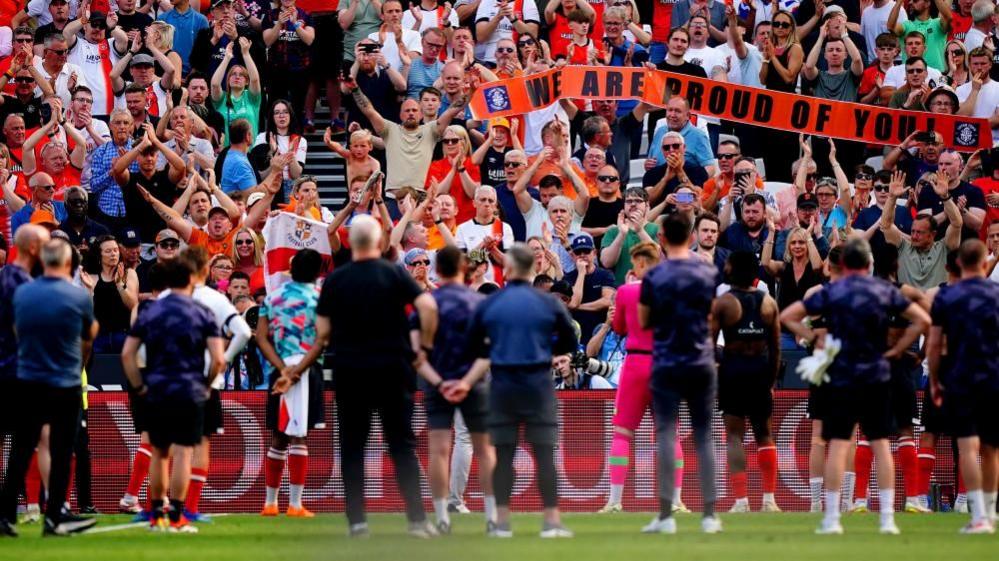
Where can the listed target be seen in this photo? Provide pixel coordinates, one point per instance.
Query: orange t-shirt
(435, 240)
(709, 186)
(463, 202)
(552, 168)
(214, 247)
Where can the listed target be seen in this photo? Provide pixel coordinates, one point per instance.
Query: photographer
(579, 372)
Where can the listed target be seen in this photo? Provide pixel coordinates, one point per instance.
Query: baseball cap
(217, 3)
(167, 234)
(500, 122)
(44, 217)
(130, 238)
(217, 209)
(141, 59)
(807, 200)
(582, 241)
(254, 198)
(414, 254)
(98, 17)
(832, 10)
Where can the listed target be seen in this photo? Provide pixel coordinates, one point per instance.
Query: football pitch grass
(747, 537)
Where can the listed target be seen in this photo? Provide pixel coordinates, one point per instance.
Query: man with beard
(751, 231)
(198, 92)
(706, 229)
(917, 154)
(969, 199)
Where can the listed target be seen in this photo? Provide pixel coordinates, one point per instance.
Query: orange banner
(732, 102)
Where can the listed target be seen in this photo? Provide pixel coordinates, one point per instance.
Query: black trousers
(81, 449)
(359, 394)
(60, 409)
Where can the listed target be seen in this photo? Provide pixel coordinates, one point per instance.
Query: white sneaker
(770, 506)
(611, 508)
(978, 527)
(556, 531)
(711, 525)
(459, 508)
(889, 528)
(32, 515)
(859, 506)
(423, 530)
(912, 506)
(829, 529)
(961, 503)
(660, 526)
(816, 507)
(679, 508)
(740, 506)
(129, 507)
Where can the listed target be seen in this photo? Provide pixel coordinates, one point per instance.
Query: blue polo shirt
(52, 317)
(455, 306)
(186, 27)
(856, 311)
(175, 330)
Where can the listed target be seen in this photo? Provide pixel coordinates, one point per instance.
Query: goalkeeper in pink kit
(633, 394)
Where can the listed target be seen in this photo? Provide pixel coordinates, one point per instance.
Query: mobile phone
(685, 198)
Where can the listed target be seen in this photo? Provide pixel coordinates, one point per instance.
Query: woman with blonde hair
(247, 251)
(783, 58)
(160, 34)
(955, 64)
(545, 262)
(455, 173)
(800, 268)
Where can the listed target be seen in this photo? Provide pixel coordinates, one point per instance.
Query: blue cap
(129, 237)
(582, 241)
(414, 254)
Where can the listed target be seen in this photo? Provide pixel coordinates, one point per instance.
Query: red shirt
(440, 168)
(869, 79)
(559, 36)
(69, 177)
(959, 26)
(662, 16)
(988, 186)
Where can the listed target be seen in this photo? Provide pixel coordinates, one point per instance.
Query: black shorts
(317, 409)
(973, 414)
(440, 412)
(326, 52)
(139, 408)
(10, 406)
(522, 397)
(818, 402)
(904, 408)
(213, 414)
(175, 422)
(868, 405)
(744, 388)
(931, 417)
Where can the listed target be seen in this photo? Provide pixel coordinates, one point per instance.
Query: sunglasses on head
(880, 187)
(861, 176)
(607, 178)
(781, 24)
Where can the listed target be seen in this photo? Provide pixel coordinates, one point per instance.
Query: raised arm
(368, 110)
(251, 66)
(219, 75)
(809, 70)
(893, 24)
(945, 14)
(523, 198)
(173, 220)
(896, 188)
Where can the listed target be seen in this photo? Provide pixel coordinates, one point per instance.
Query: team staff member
(450, 361)
(855, 310)
(516, 332)
(369, 338)
(749, 367)
(54, 322)
(177, 331)
(967, 315)
(675, 302)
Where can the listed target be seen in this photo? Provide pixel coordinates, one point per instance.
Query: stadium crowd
(133, 131)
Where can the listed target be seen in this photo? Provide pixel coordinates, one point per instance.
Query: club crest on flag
(497, 98)
(965, 134)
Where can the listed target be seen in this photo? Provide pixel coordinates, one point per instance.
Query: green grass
(765, 537)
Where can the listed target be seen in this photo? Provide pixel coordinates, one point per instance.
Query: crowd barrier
(236, 477)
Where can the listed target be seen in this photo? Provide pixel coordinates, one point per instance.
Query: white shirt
(535, 121)
(486, 49)
(429, 19)
(97, 70)
(470, 234)
(973, 39)
(994, 277)
(745, 71)
(986, 103)
(62, 80)
(194, 144)
(39, 9)
(895, 77)
(708, 58)
(161, 100)
(283, 143)
(538, 215)
(873, 22)
(410, 40)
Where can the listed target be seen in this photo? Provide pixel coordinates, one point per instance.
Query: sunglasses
(924, 184)
(608, 178)
(58, 52)
(437, 46)
(825, 194)
(451, 140)
(864, 176)
(914, 70)
(881, 188)
(98, 26)
(512, 164)
(504, 49)
(811, 176)
(671, 147)
(24, 79)
(244, 242)
(24, 40)
(424, 262)
(222, 267)
(170, 244)
(526, 42)
(48, 187)
(781, 24)
(728, 156)
(582, 251)
(957, 52)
